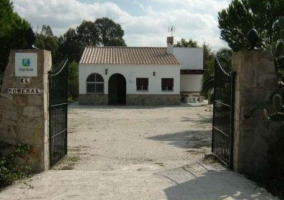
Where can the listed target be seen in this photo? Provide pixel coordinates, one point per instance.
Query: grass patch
(74, 159)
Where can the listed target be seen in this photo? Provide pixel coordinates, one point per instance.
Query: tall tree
(111, 33)
(46, 30)
(103, 31)
(88, 34)
(46, 40)
(184, 43)
(69, 47)
(243, 15)
(6, 12)
(12, 34)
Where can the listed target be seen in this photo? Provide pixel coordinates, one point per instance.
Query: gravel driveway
(126, 152)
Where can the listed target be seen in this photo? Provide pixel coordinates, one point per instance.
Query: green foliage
(208, 81)
(103, 31)
(73, 80)
(12, 34)
(278, 115)
(274, 182)
(88, 34)
(184, 43)
(243, 15)
(46, 40)
(209, 56)
(278, 51)
(9, 170)
(110, 33)
(277, 47)
(69, 45)
(73, 70)
(224, 57)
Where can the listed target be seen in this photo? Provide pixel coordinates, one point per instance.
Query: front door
(117, 90)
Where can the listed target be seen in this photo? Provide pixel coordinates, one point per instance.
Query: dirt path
(118, 153)
(131, 138)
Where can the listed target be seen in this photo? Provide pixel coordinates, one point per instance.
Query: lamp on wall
(106, 71)
(154, 73)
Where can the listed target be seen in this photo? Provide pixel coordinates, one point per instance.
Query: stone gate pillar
(24, 104)
(255, 83)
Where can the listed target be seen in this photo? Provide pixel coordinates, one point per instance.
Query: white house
(191, 69)
(139, 75)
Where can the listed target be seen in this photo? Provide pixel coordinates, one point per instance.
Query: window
(142, 84)
(167, 84)
(95, 83)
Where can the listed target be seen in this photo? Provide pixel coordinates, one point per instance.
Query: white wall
(190, 83)
(189, 58)
(131, 73)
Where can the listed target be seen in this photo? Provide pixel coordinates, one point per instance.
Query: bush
(275, 181)
(9, 170)
(73, 89)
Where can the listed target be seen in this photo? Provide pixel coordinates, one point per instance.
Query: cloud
(64, 13)
(193, 19)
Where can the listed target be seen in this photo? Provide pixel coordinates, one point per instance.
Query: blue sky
(145, 22)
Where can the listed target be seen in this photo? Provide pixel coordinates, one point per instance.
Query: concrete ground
(139, 153)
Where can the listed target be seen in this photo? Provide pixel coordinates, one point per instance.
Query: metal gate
(223, 114)
(58, 93)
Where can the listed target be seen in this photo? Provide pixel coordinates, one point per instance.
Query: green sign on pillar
(26, 64)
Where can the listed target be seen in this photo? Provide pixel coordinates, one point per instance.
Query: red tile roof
(128, 56)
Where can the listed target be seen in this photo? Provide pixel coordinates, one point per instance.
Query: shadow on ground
(76, 105)
(200, 120)
(186, 139)
(198, 181)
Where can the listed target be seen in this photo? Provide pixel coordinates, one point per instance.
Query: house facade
(135, 75)
(191, 69)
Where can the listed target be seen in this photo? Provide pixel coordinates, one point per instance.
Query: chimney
(170, 45)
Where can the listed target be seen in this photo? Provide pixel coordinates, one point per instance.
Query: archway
(117, 90)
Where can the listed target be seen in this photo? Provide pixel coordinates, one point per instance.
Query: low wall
(132, 99)
(93, 99)
(151, 99)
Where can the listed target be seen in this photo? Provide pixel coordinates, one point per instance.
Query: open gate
(223, 114)
(58, 94)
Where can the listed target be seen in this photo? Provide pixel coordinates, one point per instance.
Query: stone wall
(24, 117)
(93, 99)
(151, 99)
(132, 99)
(256, 81)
